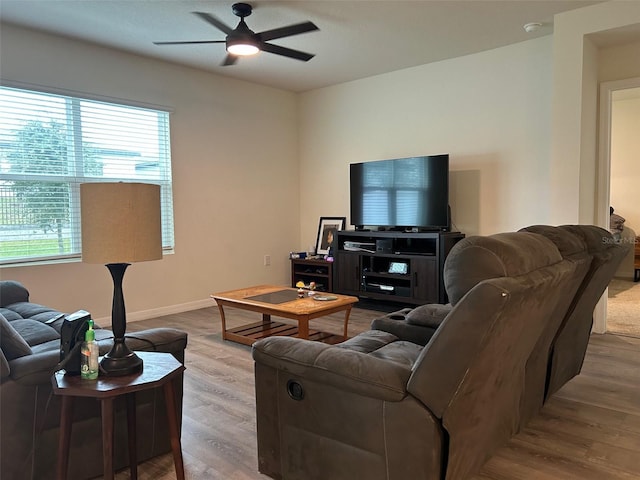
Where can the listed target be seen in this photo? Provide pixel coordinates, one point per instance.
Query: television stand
(371, 271)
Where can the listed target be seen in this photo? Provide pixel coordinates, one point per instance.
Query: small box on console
(384, 245)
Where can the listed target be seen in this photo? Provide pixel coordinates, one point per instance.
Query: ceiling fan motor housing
(241, 9)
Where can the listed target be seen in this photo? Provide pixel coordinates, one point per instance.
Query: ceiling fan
(242, 41)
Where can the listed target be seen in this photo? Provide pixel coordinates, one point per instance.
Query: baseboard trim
(160, 312)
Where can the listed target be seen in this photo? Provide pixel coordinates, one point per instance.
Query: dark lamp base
(116, 367)
(120, 360)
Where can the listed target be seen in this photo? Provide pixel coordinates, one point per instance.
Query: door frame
(603, 187)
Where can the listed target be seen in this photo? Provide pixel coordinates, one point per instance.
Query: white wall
(519, 123)
(619, 62)
(489, 111)
(235, 172)
(578, 67)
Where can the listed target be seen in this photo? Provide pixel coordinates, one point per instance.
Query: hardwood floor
(590, 430)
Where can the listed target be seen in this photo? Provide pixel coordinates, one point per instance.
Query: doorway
(619, 176)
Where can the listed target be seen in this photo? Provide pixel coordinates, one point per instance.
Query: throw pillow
(12, 344)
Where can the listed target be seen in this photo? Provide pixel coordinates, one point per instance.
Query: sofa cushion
(405, 353)
(34, 332)
(12, 292)
(33, 310)
(429, 315)
(367, 342)
(13, 345)
(9, 314)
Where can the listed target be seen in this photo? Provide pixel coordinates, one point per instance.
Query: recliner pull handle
(295, 390)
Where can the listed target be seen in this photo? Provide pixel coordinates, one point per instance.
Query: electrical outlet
(267, 260)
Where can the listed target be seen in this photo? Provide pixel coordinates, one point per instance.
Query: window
(49, 145)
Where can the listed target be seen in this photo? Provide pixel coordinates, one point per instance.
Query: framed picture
(326, 233)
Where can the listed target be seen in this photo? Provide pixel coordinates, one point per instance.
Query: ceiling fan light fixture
(242, 48)
(242, 41)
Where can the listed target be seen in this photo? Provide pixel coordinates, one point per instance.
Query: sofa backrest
(12, 292)
(471, 373)
(574, 249)
(570, 345)
(492, 256)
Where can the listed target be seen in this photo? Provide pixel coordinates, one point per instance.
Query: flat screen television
(401, 193)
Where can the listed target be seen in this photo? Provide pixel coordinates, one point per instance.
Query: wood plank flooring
(590, 430)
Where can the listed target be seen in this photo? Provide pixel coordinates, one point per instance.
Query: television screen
(401, 193)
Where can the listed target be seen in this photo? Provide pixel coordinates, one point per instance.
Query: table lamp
(121, 224)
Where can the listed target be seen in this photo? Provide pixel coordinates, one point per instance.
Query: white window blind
(49, 145)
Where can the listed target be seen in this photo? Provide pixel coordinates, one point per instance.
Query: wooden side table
(312, 270)
(159, 369)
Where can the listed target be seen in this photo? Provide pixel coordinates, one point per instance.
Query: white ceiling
(357, 39)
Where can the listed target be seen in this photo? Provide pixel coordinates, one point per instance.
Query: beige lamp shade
(121, 222)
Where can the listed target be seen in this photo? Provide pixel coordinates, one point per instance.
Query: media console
(403, 267)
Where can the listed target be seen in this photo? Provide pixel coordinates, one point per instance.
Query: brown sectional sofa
(381, 407)
(560, 351)
(30, 413)
(569, 344)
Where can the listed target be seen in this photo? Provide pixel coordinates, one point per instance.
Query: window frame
(75, 169)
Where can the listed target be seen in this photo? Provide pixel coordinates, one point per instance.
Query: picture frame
(327, 227)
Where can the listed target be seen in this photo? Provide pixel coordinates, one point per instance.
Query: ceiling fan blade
(229, 60)
(286, 52)
(214, 21)
(189, 42)
(287, 31)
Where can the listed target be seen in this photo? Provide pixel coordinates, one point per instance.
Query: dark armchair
(378, 407)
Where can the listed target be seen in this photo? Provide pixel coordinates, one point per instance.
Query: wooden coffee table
(281, 302)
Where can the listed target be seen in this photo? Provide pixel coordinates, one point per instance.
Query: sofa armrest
(34, 369)
(37, 369)
(168, 340)
(415, 325)
(344, 368)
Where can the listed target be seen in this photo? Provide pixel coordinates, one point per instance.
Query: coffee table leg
(224, 322)
(346, 320)
(303, 327)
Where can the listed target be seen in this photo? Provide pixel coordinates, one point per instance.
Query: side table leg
(133, 438)
(107, 437)
(65, 437)
(174, 430)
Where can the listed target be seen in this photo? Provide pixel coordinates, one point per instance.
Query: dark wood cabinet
(312, 270)
(349, 276)
(403, 267)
